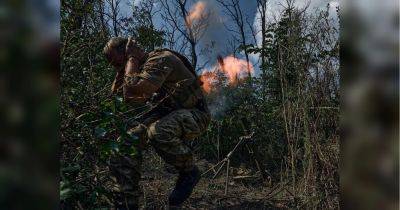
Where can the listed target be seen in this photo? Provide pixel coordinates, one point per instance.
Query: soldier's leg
(170, 134)
(125, 171)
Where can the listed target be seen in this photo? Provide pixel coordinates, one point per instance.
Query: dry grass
(246, 190)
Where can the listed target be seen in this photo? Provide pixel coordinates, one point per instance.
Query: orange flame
(236, 68)
(208, 78)
(233, 68)
(196, 12)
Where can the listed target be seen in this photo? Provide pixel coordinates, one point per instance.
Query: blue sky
(220, 36)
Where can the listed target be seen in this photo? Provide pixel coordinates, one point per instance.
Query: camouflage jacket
(177, 84)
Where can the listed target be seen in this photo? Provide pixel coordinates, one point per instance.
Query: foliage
(292, 107)
(94, 123)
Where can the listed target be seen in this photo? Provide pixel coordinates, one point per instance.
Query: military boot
(184, 186)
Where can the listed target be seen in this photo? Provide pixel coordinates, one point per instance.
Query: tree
(234, 11)
(140, 26)
(177, 16)
(114, 15)
(292, 108)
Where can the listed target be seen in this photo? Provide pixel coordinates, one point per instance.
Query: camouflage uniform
(182, 116)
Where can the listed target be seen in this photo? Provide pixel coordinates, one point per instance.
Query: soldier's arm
(137, 89)
(142, 85)
(118, 81)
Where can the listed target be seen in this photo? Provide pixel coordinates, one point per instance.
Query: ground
(246, 189)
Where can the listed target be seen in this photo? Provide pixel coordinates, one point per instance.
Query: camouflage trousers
(169, 136)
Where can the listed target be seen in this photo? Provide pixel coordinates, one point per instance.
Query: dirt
(246, 189)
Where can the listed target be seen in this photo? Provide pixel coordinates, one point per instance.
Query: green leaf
(114, 146)
(65, 193)
(133, 137)
(108, 114)
(99, 132)
(119, 99)
(132, 151)
(71, 168)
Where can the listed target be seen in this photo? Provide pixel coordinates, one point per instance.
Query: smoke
(197, 12)
(218, 107)
(212, 39)
(218, 37)
(222, 71)
(228, 72)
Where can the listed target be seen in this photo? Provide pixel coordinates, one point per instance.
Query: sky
(217, 30)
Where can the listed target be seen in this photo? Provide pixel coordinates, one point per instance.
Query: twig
(212, 168)
(219, 169)
(227, 177)
(244, 177)
(242, 138)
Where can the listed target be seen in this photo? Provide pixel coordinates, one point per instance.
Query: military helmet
(122, 45)
(115, 43)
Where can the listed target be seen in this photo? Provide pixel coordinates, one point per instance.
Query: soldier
(167, 78)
